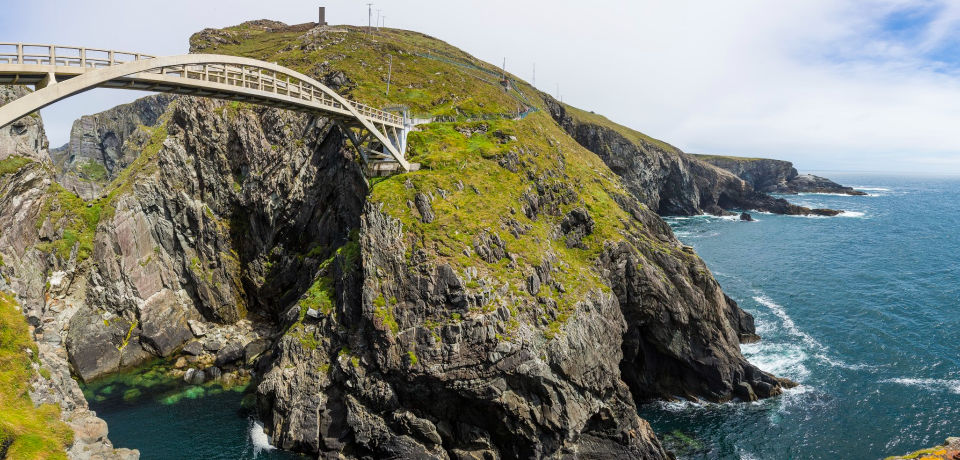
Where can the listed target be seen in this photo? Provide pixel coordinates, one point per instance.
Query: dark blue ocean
(863, 310)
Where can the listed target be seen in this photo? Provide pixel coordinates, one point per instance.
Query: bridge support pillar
(49, 79)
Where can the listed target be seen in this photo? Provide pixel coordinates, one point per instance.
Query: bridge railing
(262, 79)
(67, 56)
(233, 75)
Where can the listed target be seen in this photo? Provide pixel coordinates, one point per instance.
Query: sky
(832, 85)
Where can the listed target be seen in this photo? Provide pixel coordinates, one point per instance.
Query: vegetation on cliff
(26, 431)
(480, 138)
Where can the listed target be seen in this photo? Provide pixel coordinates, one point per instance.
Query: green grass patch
(384, 312)
(319, 296)
(10, 165)
(93, 171)
(77, 218)
(31, 432)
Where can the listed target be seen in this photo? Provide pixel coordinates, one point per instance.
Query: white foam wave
(871, 189)
(950, 385)
(818, 193)
(843, 365)
(701, 216)
(259, 438)
(787, 321)
(782, 359)
(856, 214)
(817, 349)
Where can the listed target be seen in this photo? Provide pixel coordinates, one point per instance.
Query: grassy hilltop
(465, 156)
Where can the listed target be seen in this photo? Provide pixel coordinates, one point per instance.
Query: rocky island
(517, 297)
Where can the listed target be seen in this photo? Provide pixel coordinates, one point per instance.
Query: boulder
(744, 391)
(254, 349)
(93, 345)
(193, 348)
(198, 328)
(230, 353)
(212, 345)
(424, 207)
(212, 373)
(163, 319)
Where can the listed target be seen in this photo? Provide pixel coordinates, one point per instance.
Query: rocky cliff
(775, 176)
(511, 299)
(103, 145)
(26, 177)
(663, 177)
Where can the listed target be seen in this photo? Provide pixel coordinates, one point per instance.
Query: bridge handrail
(70, 56)
(263, 79)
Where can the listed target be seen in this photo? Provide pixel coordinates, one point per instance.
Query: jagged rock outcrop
(373, 385)
(215, 224)
(660, 175)
(775, 176)
(104, 144)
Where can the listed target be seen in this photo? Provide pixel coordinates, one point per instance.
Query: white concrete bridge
(59, 72)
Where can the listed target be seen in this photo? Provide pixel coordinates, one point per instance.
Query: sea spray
(259, 439)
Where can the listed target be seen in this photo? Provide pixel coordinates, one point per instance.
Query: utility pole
(378, 19)
(384, 21)
(534, 74)
(389, 74)
(505, 82)
(369, 16)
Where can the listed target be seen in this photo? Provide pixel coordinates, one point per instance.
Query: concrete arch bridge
(59, 72)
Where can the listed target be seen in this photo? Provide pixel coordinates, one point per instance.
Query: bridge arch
(60, 72)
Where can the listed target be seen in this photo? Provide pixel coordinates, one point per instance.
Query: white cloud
(815, 81)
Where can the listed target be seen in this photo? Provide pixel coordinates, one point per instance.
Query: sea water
(862, 310)
(166, 418)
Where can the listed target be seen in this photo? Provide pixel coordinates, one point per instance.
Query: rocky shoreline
(664, 178)
(775, 176)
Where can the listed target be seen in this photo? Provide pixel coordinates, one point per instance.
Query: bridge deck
(74, 69)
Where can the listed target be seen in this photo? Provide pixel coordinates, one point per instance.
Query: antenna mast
(369, 17)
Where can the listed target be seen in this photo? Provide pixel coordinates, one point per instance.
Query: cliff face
(660, 175)
(775, 176)
(103, 145)
(26, 175)
(510, 299)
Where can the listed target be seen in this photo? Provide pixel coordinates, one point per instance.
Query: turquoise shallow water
(863, 310)
(168, 419)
